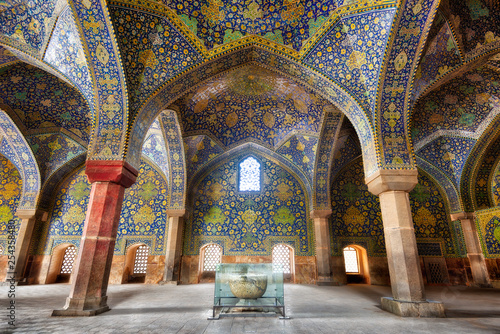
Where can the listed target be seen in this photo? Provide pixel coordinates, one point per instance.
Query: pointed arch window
(351, 260)
(249, 175)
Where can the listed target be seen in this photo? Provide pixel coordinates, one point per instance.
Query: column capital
(392, 180)
(26, 213)
(462, 215)
(116, 171)
(320, 213)
(176, 212)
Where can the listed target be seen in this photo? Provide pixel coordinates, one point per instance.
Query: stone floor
(138, 308)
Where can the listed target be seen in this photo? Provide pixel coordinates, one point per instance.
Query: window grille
(351, 260)
(141, 259)
(249, 175)
(212, 257)
(281, 258)
(68, 260)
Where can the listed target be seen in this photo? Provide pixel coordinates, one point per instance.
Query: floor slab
(139, 308)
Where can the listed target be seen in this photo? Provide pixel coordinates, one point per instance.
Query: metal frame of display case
(229, 305)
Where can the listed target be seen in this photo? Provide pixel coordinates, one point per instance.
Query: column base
(481, 285)
(168, 283)
(426, 309)
(75, 308)
(326, 281)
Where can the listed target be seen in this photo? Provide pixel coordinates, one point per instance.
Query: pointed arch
(176, 159)
(278, 63)
(14, 147)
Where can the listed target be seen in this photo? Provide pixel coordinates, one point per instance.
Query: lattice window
(68, 260)
(249, 175)
(436, 273)
(351, 260)
(212, 257)
(141, 259)
(281, 258)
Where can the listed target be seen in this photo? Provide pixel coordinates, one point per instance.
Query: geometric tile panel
(14, 147)
(154, 148)
(251, 102)
(350, 55)
(143, 217)
(6, 56)
(394, 92)
(153, 51)
(453, 199)
(301, 150)
(488, 224)
(10, 194)
(41, 100)
(176, 159)
(449, 154)
(286, 22)
(463, 105)
(199, 151)
(248, 223)
(27, 24)
(442, 55)
(53, 150)
(65, 52)
(495, 185)
(479, 22)
(356, 214)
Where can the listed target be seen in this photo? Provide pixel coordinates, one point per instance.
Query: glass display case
(245, 289)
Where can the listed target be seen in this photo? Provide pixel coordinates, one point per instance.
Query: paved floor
(138, 308)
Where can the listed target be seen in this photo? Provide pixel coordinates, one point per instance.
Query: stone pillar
(323, 253)
(408, 294)
(93, 264)
(23, 241)
(474, 252)
(174, 247)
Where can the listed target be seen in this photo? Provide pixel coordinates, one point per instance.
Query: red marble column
(91, 272)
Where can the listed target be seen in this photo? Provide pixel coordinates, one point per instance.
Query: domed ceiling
(251, 103)
(287, 22)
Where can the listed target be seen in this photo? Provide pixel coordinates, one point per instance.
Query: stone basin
(248, 286)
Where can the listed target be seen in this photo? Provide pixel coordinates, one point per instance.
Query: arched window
(351, 260)
(282, 257)
(212, 256)
(141, 259)
(249, 175)
(68, 260)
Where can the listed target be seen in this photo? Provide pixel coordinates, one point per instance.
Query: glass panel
(281, 258)
(250, 175)
(248, 285)
(141, 260)
(68, 260)
(212, 257)
(351, 260)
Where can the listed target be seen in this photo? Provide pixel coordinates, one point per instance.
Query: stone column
(323, 253)
(474, 252)
(93, 264)
(23, 241)
(393, 187)
(174, 247)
